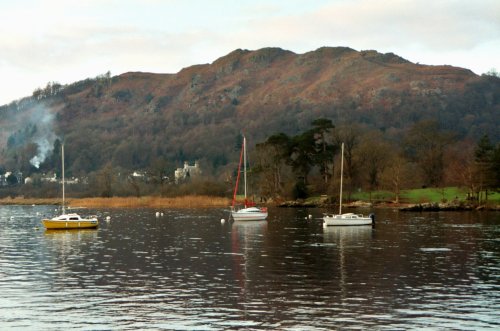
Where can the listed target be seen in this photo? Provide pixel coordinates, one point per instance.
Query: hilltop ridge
(134, 118)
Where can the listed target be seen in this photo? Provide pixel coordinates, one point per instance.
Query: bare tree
(350, 136)
(425, 144)
(374, 154)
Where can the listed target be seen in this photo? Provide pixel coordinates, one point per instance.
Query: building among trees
(188, 171)
(11, 178)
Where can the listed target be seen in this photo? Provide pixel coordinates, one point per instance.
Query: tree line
(424, 156)
(307, 164)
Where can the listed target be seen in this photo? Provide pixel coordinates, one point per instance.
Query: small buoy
(222, 221)
(108, 218)
(37, 213)
(157, 214)
(161, 214)
(310, 216)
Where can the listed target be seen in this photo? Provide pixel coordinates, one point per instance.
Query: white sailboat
(69, 221)
(347, 218)
(250, 212)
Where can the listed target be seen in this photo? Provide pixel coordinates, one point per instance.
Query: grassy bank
(423, 195)
(191, 201)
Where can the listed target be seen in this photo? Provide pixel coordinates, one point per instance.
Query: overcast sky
(70, 40)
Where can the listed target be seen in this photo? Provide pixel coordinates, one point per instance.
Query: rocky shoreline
(449, 207)
(431, 206)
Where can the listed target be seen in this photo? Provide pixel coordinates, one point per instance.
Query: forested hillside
(141, 121)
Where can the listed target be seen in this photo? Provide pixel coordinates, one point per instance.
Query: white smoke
(44, 148)
(44, 136)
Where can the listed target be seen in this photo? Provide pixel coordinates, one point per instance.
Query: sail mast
(341, 178)
(62, 161)
(238, 176)
(245, 167)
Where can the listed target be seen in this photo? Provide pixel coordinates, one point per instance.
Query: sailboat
(69, 221)
(347, 218)
(250, 212)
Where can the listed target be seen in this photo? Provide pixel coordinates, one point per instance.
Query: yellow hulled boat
(70, 221)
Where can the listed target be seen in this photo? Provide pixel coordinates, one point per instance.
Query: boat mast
(62, 161)
(341, 178)
(238, 176)
(245, 167)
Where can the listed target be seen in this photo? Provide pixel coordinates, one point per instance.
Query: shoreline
(191, 201)
(415, 207)
(200, 201)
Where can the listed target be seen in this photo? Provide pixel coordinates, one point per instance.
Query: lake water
(187, 271)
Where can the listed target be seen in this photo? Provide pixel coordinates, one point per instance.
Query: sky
(66, 41)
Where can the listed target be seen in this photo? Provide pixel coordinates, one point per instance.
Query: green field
(423, 195)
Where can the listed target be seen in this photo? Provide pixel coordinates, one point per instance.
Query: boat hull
(349, 219)
(68, 224)
(249, 214)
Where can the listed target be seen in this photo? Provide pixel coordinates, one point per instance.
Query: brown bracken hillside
(134, 119)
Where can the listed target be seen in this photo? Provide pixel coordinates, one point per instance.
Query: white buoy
(108, 218)
(161, 214)
(310, 216)
(157, 214)
(222, 221)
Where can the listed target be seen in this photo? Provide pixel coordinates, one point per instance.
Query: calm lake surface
(187, 271)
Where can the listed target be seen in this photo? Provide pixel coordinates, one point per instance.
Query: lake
(186, 270)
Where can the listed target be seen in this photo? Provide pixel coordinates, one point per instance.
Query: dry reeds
(29, 201)
(190, 201)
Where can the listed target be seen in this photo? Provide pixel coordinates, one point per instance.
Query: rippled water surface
(186, 270)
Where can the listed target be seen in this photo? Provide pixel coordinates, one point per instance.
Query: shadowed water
(187, 271)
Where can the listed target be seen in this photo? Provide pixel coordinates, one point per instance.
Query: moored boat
(347, 218)
(250, 212)
(69, 221)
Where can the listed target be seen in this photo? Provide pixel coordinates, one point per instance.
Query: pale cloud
(65, 41)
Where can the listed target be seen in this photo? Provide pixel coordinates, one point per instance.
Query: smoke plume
(44, 135)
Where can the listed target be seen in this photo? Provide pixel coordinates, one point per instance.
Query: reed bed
(29, 201)
(190, 201)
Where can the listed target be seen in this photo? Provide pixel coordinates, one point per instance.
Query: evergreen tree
(485, 166)
(324, 149)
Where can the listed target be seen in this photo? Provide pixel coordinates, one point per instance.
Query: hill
(136, 119)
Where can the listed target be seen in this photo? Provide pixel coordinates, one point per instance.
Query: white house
(17, 174)
(187, 171)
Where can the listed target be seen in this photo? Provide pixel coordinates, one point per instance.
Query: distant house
(138, 175)
(188, 171)
(49, 179)
(4, 179)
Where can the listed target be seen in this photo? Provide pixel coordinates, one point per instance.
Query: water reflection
(186, 270)
(347, 240)
(347, 235)
(246, 239)
(70, 235)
